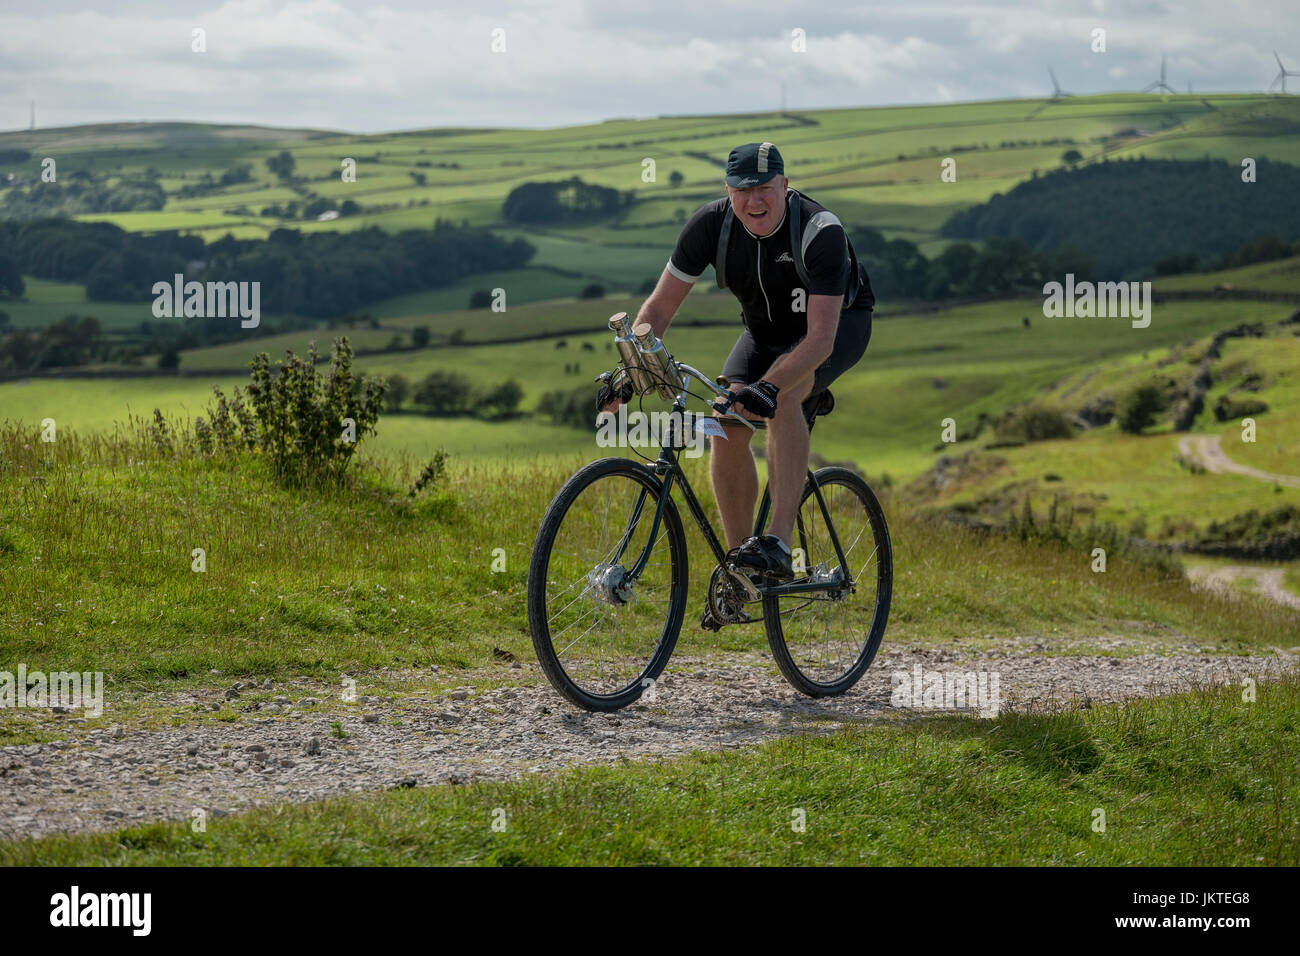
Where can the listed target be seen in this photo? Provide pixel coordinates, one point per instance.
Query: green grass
(1280, 275)
(44, 302)
(96, 538)
(1139, 478)
(1276, 362)
(1197, 779)
(919, 369)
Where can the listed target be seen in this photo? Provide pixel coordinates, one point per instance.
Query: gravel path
(1268, 580)
(1210, 453)
(113, 776)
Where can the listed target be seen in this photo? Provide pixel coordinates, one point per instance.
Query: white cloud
(351, 65)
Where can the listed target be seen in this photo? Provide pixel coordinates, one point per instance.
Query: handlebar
(722, 408)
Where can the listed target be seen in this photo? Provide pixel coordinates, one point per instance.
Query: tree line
(450, 394)
(1128, 216)
(319, 274)
(898, 269)
(81, 191)
(566, 201)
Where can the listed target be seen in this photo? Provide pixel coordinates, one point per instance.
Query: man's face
(760, 207)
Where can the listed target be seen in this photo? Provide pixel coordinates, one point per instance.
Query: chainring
(726, 599)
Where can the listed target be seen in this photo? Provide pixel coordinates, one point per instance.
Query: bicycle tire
(830, 477)
(538, 623)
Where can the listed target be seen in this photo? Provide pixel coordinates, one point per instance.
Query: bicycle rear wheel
(602, 635)
(823, 641)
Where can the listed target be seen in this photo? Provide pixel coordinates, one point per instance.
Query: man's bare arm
(664, 302)
(804, 359)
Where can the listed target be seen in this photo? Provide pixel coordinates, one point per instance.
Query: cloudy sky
(371, 66)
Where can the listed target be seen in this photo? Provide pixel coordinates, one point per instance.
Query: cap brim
(745, 180)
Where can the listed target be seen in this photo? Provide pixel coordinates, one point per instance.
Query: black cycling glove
(759, 398)
(606, 395)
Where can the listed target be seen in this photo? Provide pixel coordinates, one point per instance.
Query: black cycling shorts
(750, 359)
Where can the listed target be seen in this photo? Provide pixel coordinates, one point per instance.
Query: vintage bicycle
(607, 582)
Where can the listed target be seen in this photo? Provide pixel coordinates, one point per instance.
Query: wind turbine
(1057, 92)
(1159, 84)
(1283, 73)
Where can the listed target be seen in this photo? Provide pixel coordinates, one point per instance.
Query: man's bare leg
(787, 457)
(735, 481)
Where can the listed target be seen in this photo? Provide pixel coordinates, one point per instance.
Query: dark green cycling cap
(753, 164)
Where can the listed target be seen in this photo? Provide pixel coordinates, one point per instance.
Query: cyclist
(800, 335)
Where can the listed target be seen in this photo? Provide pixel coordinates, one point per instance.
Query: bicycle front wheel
(605, 601)
(823, 641)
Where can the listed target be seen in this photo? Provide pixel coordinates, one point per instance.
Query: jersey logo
(784, 257)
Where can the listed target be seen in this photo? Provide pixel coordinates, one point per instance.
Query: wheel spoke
(826, 634)
(608, 635)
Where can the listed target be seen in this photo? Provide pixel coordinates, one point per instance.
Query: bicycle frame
(669, 467)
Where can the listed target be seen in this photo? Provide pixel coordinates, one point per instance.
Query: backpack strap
(855, 274)
(799, 243)
(794, 204)
(720, 258)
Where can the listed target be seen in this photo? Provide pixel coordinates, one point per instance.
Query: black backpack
(795, 216)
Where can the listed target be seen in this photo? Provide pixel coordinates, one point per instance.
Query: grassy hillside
(96, 536)
(1139, 481)
(1281, 275)
(877, 167)
(919, 369)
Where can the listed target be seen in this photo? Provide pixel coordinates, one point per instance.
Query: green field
(1276, 361)
(876, 167)
(1280, 275)
(45, 301)
(919, 369)
(1138, 481)
(96, 534)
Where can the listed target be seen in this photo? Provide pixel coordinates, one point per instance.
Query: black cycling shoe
(766, 556)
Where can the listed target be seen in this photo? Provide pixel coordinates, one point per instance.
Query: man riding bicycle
(807, 316)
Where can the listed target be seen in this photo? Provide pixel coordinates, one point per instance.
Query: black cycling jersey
(761, 272)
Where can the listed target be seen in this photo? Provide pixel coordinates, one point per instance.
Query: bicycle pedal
(709, 623)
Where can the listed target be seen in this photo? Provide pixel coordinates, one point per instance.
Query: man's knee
(789, 402)
(736, 445)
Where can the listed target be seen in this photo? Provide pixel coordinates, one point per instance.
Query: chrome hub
(608, 584)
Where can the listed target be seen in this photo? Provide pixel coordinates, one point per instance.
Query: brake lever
(722, 409)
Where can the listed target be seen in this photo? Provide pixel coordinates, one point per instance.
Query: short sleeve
(697, 244)
(826, 255)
